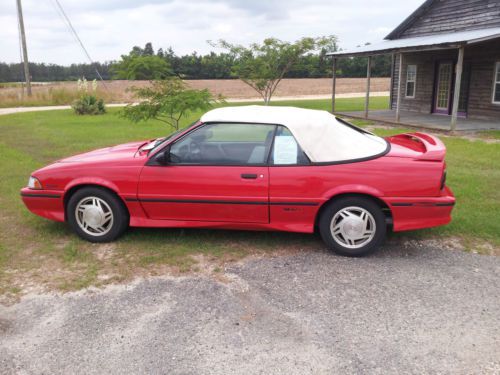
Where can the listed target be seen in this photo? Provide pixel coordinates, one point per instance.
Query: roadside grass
(4, 85)
(38, 253)
(490, 134)
(45, 96)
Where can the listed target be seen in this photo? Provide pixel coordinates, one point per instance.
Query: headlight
(34, 184)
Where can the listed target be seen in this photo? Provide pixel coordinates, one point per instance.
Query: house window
(496, 84)
(411, 79)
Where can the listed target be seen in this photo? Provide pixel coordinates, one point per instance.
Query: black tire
(377, 225)
(120, 216)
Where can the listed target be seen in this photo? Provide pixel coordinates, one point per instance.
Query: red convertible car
(255, 168)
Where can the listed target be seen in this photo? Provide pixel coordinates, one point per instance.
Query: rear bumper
(45, 203)
(409, 213)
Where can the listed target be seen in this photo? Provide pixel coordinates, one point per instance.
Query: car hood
(123, 151)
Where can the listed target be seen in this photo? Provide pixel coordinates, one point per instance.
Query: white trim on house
(496, 83)
(414, 81)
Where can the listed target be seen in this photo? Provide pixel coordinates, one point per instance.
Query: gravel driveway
(404, 310)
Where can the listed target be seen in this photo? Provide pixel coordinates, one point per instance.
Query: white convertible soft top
(322, 137)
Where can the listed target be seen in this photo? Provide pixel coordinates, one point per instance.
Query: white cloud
(111, 27)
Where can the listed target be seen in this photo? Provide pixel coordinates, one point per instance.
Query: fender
(136, 212)
(353, 189)
(92, 181)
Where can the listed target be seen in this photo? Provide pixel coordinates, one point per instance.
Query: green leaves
(139, 67)
(168, 100)
(88, 104)
(263, 66)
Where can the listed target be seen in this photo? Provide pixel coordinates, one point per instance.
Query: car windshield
(160, 141)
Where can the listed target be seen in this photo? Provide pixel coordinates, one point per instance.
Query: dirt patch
(453, 244)
(4, 325)
(293, 87)
(104, 251)
(102, 265)
(58, 93)
(70, 264)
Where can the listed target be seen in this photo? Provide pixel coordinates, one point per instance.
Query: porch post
(334, 78)
(391, 93)
(458, 83)
(400, 75)
(368, 77)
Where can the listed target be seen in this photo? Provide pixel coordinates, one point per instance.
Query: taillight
(443, 180)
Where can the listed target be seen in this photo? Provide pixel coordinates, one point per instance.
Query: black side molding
(423, 204)
(41, 195)
(204, 201)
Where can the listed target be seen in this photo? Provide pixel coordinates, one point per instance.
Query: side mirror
(161, 158)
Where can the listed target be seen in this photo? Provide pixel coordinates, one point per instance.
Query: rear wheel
(96, 215)
(353, 226)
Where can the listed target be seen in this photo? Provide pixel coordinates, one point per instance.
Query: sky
(109, 28)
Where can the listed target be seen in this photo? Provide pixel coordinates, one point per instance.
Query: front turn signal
(34, 184)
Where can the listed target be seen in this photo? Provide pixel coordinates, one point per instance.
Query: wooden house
(446, 66)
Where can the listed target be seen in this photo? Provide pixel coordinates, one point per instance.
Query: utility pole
(25, 49)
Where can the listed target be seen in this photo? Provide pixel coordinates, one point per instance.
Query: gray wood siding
(445, 16)
(426, 64)
(482, 59)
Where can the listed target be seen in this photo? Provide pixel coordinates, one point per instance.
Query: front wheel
(353, 226)
(96, 215)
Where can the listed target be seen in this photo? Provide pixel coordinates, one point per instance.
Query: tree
(194, 66)
(141, 64)
(148, 50)
(168, 100)
(135, 67)
(263, 66)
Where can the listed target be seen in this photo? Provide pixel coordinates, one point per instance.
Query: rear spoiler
(435, 150)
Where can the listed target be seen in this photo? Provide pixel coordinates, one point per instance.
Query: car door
(217, 172)
(294, 184)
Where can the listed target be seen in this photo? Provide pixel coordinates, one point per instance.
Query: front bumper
(409, 213)
(45, 203)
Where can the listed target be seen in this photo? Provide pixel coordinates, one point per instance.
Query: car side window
(224, 144)
(286, 150)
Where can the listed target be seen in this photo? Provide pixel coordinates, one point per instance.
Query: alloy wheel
(353, 227)
(94, 216)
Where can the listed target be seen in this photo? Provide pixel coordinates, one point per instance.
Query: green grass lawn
(35, 251)
(341, 105)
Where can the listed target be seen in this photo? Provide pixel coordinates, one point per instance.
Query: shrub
(88, 103)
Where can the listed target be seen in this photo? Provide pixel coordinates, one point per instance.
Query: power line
(59, 13)
(72, 29)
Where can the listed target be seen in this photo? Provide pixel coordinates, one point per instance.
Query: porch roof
(422, 43)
